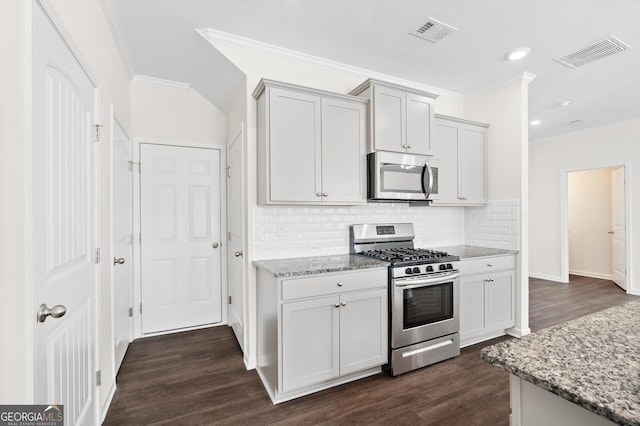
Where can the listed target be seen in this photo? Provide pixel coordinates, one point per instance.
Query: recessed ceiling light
(564, 103)
(517, 54)
(535, 122)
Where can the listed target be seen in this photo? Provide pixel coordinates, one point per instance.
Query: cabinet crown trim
(461, 120)
(264, 83)
(373, 82)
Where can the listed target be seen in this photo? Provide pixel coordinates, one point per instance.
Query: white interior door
(122, 295)
(618, 225)
(64, 225)
(180, 242)
(235, 220)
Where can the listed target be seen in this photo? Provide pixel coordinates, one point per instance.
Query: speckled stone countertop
(317, 265)
(592, 361)
(468, 252)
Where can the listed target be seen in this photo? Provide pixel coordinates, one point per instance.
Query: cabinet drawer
(486, 264)
(323, 284)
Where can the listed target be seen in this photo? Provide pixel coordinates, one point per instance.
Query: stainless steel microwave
(402, 177)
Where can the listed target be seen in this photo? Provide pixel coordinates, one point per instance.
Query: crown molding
(525, 77)
(161, 81)
(220, 38)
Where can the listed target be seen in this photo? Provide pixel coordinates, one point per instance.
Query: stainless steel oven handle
(414, 283)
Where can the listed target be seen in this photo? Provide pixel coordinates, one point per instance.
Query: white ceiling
(159, 40)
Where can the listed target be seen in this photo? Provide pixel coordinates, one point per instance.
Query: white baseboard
(107, 403)
(591, 274)
(547, 277)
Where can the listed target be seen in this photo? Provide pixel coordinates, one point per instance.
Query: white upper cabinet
(461, 146)
(311, 146)
(401, 118)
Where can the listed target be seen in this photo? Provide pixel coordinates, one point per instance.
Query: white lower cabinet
(320, 331)
(487, 298)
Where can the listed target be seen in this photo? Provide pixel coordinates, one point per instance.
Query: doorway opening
(595, 244)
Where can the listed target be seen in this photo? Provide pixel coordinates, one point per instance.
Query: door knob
(238, 253)
(610, 232)
(55, 312)
(215, 245)
(118, 260)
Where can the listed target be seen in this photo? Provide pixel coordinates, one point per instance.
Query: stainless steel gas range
(424, 290)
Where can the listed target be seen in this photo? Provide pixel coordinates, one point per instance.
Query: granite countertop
(469, 252)
(298, 266)
(592, 361)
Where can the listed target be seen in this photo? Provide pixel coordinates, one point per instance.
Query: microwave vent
(593, 52)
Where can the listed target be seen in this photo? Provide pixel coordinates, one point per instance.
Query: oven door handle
(413, 283)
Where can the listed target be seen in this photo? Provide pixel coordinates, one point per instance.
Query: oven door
(424, 308)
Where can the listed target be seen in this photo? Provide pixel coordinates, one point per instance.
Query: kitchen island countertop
(299, 266)
(592, 361)
(469, 252)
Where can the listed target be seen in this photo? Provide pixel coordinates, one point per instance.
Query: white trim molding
(161, 81)
(216, 37)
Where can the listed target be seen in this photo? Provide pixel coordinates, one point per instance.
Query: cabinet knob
(343, 304)
(489, 265)
(324, 194)
(409, 146)
(339, 284)
(319, 194)
(337, 305)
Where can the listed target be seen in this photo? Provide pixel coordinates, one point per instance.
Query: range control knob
(449, 266)
(409, 271)
(416, 270)
(429, 268)
(443, 267)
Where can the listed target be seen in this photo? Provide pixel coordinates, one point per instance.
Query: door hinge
(229, 299)
(228, 235)
(97, 258)
(132, 164)
(130, 239)
(140, 308)
(229, 171)
(131, 312)
(98, 378)
(140, 238)
(98, 134)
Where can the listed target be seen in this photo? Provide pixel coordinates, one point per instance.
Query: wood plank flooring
(199, 378)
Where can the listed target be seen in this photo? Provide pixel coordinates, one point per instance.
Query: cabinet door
(389, 115)
(472, 307)
(418, 122)
(445, 148)
(294, 146)
(472, 161)
(500, 301)
(343, 151)
(310, 342)
(363, 330)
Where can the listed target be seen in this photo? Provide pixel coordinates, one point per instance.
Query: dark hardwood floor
(199, 378)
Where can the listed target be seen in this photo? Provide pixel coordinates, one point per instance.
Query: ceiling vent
(593, 52)
(433, 30)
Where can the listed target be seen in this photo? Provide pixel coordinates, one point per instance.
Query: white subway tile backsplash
(280, 232)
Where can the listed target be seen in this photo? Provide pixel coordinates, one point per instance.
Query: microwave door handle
(427, 180)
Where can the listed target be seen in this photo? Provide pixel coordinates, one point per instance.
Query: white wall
(589, 201)
(17, 313)
(170, 111)
(505, 107)
(550, 160)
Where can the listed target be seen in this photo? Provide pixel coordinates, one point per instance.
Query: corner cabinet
(461, 146)
(487, 298)
(401, 118)
(320, 331)
(311, 146)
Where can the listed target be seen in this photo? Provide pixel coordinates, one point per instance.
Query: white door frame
(137, 264)
(564, 220)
